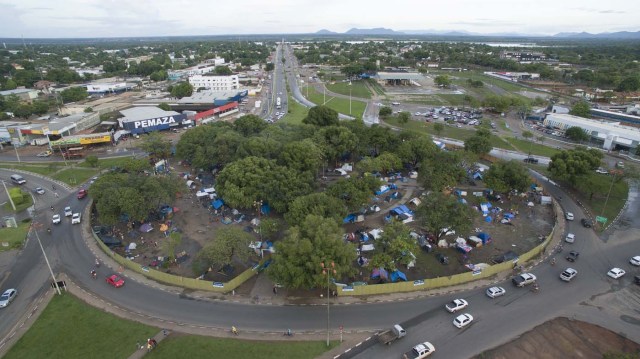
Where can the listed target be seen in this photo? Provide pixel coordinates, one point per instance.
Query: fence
(439, 282)
(190, 283)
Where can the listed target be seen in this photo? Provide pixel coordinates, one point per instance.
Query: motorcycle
(94, 275)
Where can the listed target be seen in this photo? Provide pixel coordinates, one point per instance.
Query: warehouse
(398, 78)
(148, 119)
(611, 135)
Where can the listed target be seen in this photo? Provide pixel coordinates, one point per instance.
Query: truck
(388, 336)
(278, 103)
(420, 351)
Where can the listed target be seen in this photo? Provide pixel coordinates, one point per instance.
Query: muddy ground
(564, 338)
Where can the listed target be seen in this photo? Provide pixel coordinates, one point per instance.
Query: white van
(18, 179)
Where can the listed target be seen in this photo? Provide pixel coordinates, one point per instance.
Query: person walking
(234, 330)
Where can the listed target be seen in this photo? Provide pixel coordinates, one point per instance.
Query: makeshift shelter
(488, 219)
(477, 176)
(217, 203)
(396, 275)
(379, 273)
(545, 199)
(376, 233)
(463, 248)
(146, 228)
(265, 209)
(415, 201)
(367, 248)
(382, 189)
(132, 246)
(485, 237)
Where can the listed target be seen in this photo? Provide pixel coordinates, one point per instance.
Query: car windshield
(4, 297)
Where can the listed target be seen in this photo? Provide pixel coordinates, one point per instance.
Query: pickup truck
(396, 332)
(420, 351)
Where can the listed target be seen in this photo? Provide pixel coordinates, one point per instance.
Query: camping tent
(146, 228)
(396, 275)
(485, 237)
(217, 203)
(379, 273)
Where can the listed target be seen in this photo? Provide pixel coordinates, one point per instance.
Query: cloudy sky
(117, 18)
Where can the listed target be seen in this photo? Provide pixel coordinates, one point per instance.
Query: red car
(115, 280)
(82, 193)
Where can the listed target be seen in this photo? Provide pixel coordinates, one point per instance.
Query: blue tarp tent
(477, 175)
(397, 275)
(217, 204)
(488, 219)
(486, 238)
(379, 273)
(265, 209)
(349, 219)
(382, 189)
(509, 215)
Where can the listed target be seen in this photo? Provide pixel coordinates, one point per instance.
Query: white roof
(144, 113)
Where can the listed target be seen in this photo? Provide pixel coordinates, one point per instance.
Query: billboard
(97, 138)
(154, 124)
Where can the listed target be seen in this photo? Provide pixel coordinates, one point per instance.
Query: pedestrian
(164, 332)
(275, 290)
(55, 194)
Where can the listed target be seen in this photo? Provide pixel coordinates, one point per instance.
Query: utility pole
(13, 205)
(16, 149)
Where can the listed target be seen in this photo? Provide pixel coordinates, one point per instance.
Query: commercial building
(22, 94)
(398, 78)
(611, 135)
(102, 88)
(215, 83)
(616, 116)
(148, 119)
(524, 57)
(40, 133)
(513, 76)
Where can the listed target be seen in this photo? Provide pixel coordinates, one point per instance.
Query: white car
(523, 279)
(570, 238)
(67, 211)
(55, 219)
(456, 305)
(568, 216)
(421, 350)
(39, 190)
(7, 297)
(616, 273)
(602, 171)
(635, 261)
(495, 292)
(75, 219)
(462, 320)
(568, 274)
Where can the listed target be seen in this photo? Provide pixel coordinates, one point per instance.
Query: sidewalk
(143, 348)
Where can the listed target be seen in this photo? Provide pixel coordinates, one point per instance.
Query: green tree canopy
(504, 176)
(230, 243)
(582, 109)
(183, 89)
(319, 204)
(444, 169)
(156, 145)
(164, 106)
(249, 125)
(74, 94)
(297, 260)
(479, 143)
(443, 80)
(576, 133)
(354, 192)
(439, 211)
(321, 116)
(385, 111)
(573, 165)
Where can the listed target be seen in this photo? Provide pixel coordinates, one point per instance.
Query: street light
(327, 271)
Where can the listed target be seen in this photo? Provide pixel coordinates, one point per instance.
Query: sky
(132, 18)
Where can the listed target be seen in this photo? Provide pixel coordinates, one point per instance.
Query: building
(102, 88)
(216, 61)
(191, 71)
(611, 135)
(149, 119)
(22, 94)
(616, 116)
(215, 83)
(398, 78)
(513, 76)
(206, 100)
(40, 133)
(523, 57)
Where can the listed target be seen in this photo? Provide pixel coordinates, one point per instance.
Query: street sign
(602, 220)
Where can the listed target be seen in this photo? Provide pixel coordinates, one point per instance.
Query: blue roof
(217, 204)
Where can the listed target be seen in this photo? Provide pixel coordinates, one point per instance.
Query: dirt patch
(564, 338)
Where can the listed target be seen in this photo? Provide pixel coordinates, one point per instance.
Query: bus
(73, 152)
(278, 104)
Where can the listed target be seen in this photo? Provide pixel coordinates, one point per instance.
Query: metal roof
(399, 76)
(208, 96)
(144, 113)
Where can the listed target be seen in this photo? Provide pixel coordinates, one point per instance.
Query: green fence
(190, 283)
(440, 282)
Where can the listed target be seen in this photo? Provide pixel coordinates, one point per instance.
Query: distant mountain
(605, 35)
(374, 31)
(326, 32)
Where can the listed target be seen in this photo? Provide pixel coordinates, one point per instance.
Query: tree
(164, 106)
(479, 143)
(10, 85)
(385, 111)
(582, 109)
(629, 84)
(297, 260)
(354, 192)
(336, 142)
(505, 176)
(541, 139)
(404, 116)
(269, 66)
(301, 156)
(319, 204)
(249, 125)
(321, 116)
(443, 81)
(183, 89)
(74, 94)
(269, 227)
(573, 165)
(416, 150)
(438, 128)
(160, 75)
(444, 169)
(439, 211)
(577, 134)
(223, 71)
(397, 243)
(88, 110)
(92, 161)
(230, 243)
(156, 145)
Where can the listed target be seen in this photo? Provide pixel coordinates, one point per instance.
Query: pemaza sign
(154, 124)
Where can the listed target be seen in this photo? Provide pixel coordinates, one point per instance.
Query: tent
(486, 238)
(146, 228)
(396, 275)
(217, 204)
(477, 176)
(265, 209)
(379, 273)
(382, 190)
(488, 219)
(367, 248)
(132, 246)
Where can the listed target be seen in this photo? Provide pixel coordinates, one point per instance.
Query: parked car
(463, 320)
(572, 256)
(523, 279)
(456, 305)
(568, 274)
(55, 219)
(602, 171)
(495, 292)
(570, 238)
(82, 193)
(67, 211)
(635, 261)
(44, 154)
(531, 160)
(586, 223)
(616, 273)
(115, 280)
(7, 297)
(76, 218)
(569, 216)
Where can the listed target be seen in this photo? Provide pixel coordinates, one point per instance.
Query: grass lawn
(69, 328)
(202, 347)
(20, 206)
(14, 236)
(75, 176)
(429, 100)
(452, 99)
(376, 87)
(535, 148)
(358, 89)
(107, 163)
(617, 198)
(296, 112)
(449, 132)
(43, 168)
(339, 104)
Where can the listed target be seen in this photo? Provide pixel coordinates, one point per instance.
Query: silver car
(7, 297)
